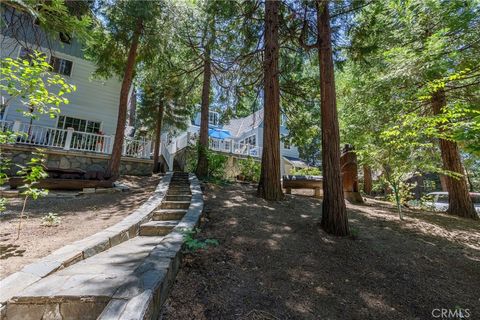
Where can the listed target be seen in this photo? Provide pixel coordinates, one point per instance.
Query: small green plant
(250, 169)
(354, 233)
(193, 244)
(32, 173)
(51, 219)
(310, 171)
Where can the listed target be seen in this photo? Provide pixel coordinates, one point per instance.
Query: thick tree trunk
(459, 201)
(334, 212)
(443, 182)
(113, 170)
(202, 163)
(158, 138)
(269, 186)
(367, 180)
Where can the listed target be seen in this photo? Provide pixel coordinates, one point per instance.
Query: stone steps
(157, 228)
(130, 280)
(178, 197)
(168, 214)
(82, 290)
(178, 193)
(175, 205)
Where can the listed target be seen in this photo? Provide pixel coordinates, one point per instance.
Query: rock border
(85, 248)
(156, 274)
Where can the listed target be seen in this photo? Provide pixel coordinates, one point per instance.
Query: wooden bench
(304, 182)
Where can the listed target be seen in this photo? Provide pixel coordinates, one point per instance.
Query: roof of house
(240, 125)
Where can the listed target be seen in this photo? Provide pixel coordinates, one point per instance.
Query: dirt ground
(273, 262)
(81, 216)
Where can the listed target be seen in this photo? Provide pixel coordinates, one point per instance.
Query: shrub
(216, 162)
(216, 165)
(250, 169)
(310, 171)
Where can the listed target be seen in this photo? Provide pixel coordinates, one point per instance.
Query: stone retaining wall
(76, 160)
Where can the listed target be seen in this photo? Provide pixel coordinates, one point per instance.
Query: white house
(90, 115)
(241, 136)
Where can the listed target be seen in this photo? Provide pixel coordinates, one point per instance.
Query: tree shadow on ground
(273, 262)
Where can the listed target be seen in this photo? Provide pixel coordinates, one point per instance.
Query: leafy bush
(310, 171)
(216, 162)
(250, 169)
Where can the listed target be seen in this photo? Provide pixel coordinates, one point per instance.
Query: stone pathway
(129, 280)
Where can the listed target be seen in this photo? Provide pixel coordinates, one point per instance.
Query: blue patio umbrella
(219, 134)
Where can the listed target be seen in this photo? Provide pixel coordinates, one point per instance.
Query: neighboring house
(243, 137)
(92, 109)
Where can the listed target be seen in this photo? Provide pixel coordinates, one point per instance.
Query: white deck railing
(220, 145)
(137, 148)
(69, 139)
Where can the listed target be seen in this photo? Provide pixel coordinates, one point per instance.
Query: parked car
(439, 201)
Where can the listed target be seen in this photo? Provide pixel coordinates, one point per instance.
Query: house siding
(95, 100)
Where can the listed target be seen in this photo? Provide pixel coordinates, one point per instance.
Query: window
(81, 125)
(252, 140)
(442, 198)
(213, 118)
(65, 37)
(61, 66)
(3, 108)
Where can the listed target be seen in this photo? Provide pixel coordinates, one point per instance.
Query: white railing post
(124, 147)
(16, 126)
(68, 139)
(148, 149)
(109, 149)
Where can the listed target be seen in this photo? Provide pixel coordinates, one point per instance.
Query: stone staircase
(129, 280)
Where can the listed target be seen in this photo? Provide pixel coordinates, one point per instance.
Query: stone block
(14, 283)
(99, 244)
(43, 267)
(119, 238)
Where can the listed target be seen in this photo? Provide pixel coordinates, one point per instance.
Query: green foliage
(31, 174)
(192, 244)
(69, 17)
(404, 193)
(51, 219)
(310, 171)
(250, 169)
(216, 162)
(31, 80)
(401, 55)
